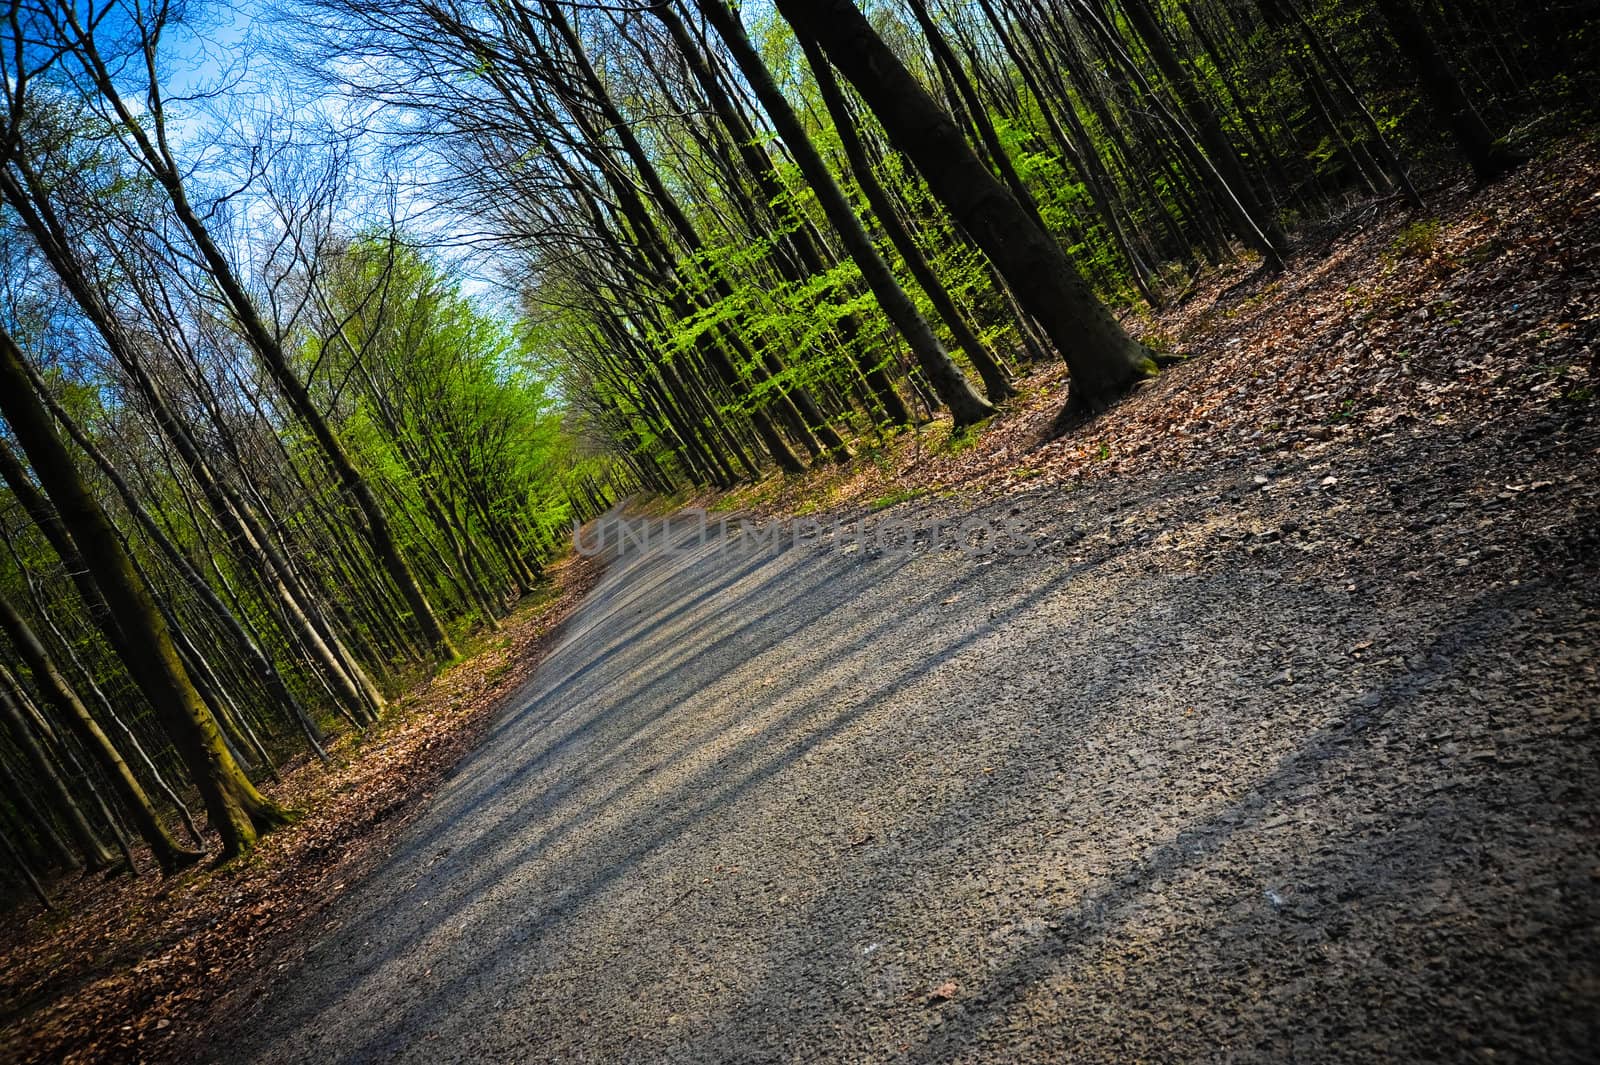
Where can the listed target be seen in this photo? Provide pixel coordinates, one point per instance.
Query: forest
(324, 323)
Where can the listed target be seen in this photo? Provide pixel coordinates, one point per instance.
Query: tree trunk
(1490, 157)
(954, 391)
(32, 818)
(96, 855)
(800, 236)
(169, 855)
(258, 661)
(25, 871)
(238, 812)
(1219, 150)
(995, 385)
(1104, 361)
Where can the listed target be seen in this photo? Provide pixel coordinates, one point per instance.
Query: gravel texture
(1288, 760)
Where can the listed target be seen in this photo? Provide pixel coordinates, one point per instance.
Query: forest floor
(124, 966)
(1485, 308)
(1263, 728)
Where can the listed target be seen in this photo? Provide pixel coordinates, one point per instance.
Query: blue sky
(203, 53)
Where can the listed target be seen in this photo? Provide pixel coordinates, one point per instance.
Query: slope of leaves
(1484, 309)
(123, 970)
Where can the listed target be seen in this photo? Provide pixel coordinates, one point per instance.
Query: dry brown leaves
(128, 969)
(1484, 306)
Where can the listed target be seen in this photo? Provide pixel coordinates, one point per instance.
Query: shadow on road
(808, 805)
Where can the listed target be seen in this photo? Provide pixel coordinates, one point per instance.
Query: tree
(169, 855)
(94, 852)
(145, 137)
(237, 811)
(1103, 360)
(1490, 156)
(844, 123)
(965, 405)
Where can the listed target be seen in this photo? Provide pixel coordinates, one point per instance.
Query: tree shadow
(598, 780)
(641, 668)
(998, 1009)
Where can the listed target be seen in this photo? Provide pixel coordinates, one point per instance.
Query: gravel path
(1252, 763)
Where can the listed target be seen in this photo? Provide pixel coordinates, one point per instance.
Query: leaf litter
(1496, 317)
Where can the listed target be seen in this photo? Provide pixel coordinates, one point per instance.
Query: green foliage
(1416, 240)
(964, 439)
(447, 406)
(899, 495)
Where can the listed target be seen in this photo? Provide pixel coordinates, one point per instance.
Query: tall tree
(169, 855)
(995, 384)
(953, 389)
(237, 811)
(94, 852)
(1491, 157)
(1103, 359)
(144, 133)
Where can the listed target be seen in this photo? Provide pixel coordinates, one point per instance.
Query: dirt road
(1289, 762)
